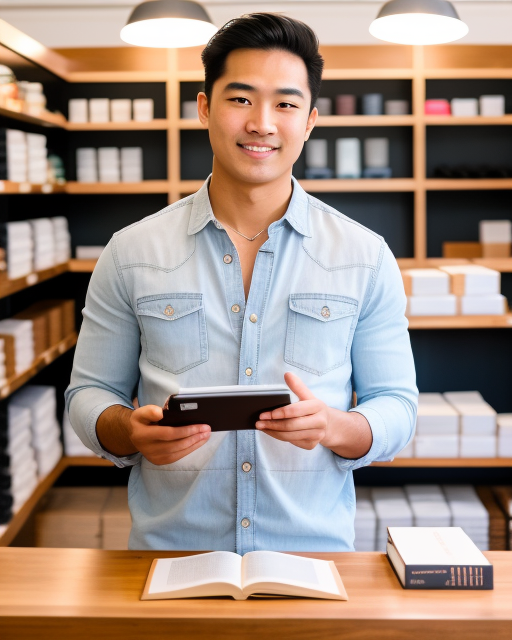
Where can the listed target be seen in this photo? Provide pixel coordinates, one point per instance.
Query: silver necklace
(241, 234)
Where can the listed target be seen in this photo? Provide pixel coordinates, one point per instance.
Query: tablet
(231, 408)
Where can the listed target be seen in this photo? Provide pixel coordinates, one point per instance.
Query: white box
(78, 110)
(432, 305)
(189, 110)
(407, 451)
(477, 417)
(436, 446)
(88, 252)
(108, 164)
(348, 158)
(376, 153)
(316, 154)
(504, 446)
(495, 231)
(99, 109)
(492, 105)
(436, 416)
(429, 506)
(494, 305)
(464, 107)
(121, 110)
(504, 421)
(143, 109)
(131, 164)
(426, 282)
(473, 280)
(477, 446)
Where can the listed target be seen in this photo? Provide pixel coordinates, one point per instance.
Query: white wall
(79, 23)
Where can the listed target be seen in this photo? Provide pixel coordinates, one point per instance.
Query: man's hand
(310, 422)
(124, 432)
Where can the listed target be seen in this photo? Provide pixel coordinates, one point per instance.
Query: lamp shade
(168, 24)
(418, 22)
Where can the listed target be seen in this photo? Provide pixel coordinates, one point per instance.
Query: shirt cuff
(90, 426)
(379, 440)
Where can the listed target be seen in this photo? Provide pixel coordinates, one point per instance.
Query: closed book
(437, 558)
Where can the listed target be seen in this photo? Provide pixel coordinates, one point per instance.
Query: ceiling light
(418, 22)
(168, 24)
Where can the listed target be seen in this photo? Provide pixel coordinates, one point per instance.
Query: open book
(222, 573)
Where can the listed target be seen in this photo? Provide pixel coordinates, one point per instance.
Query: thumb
(298, 387)
(150, 413)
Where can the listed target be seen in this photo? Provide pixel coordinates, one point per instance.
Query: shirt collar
(297, 214)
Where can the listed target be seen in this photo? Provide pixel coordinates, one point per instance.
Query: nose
(261, 121)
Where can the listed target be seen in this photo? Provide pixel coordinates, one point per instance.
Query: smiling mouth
(258, 149)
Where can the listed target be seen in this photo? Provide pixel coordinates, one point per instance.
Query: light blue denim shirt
(329, 302)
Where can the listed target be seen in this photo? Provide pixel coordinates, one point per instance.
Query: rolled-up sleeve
(383, 372)
(105, 368)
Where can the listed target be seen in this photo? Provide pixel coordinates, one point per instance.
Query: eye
(286, 105)
(240, 100)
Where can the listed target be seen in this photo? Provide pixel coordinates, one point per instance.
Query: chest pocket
(174, 328)
(319, 331)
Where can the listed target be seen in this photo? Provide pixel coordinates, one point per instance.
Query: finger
(148, 414)
(297, 386)
(169, 434)
(294, 424)
(295, 410)
(303, 439)
(168, 458)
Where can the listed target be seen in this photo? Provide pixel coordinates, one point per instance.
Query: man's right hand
(123, 432)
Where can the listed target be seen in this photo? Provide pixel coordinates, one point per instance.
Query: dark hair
(265, 31)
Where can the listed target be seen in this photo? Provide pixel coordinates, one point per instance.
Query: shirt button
(248, 371)
(235, 308)
(247, 466)
(245, 523)
(253, 317)
(228, 259)
(326, 312)
(169, 311)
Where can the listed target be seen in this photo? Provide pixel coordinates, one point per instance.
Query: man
(243, 282)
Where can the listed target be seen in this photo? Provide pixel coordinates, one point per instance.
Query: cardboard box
(467, 250)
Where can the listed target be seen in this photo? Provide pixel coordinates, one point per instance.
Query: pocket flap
(324, 307)
(169, 306)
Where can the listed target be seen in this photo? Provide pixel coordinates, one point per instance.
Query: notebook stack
(428, 293)
(504, 421)
(73, 446)
(22, 332)
(469, 513)
(437, 428)
(131, 164)
(13, 155)
(41, 401)
(19, 246)
(61, 239)
(44, 243)
(109, 164)
(477, 289)
(365, 521)
(86, 165)
(498, 522)
(392, 510)
(504, 498)
(37, 158)
(429, 506)
(477, 424)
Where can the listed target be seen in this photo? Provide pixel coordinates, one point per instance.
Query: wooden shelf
(473, 120)
(504, 265)
(479, 73)
(82, 266)
(362, 186)
(365, 121)
(461, 322)
(47, 357)
(441, 184)
(44, 119)
(8, 287)
(8, 187)
(429, 263)
(132, 125)
(146, 186)
(446, 462)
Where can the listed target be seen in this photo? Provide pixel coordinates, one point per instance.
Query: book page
(280, 568)
(173, 574)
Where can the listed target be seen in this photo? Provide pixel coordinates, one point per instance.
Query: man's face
(258, 117)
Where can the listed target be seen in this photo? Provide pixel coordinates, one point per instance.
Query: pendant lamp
(418, 22)
(168, 24)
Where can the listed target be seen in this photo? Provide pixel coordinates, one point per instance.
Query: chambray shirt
(166, 309)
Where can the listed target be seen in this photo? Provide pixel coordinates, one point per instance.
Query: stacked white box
(473, 280)
(42, 403)
(73, 446)
(121, 110)
(504, 421)
(477, 424)
(143, 109)
(437, 428)
(492, 105)
(495, 305)
(426, 282)
(78, 110)
(99, 109)
(44, 243)
(23, 333)
(348, 158)
(86, 165)
(408, 451)
(131, 164)
(20, 246)
(469, 513)
(365, 523)
(392, 509)
(37, 158)
(467, 107)
(109, 164)
(22, 464)
(17, 167)
(428, 505)
(437, 446)
(432, 305)
(61, 239)
(495, 231)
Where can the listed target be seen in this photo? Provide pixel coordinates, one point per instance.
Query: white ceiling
(79, 23)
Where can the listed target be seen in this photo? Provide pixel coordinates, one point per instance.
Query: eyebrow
(285, 91)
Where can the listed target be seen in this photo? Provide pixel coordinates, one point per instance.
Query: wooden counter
(76, 594)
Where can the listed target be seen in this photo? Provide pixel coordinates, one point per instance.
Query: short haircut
(267, 31)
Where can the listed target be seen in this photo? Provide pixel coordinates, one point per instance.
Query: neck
(248, 207)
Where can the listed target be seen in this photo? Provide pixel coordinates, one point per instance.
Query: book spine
(449, 577)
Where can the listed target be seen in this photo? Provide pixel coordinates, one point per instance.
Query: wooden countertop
(88, 594)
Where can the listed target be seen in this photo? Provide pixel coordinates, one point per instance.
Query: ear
(202, 109)
(311, 123)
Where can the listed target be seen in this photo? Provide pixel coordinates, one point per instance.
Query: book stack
(477, 424)
(504, 422)
(109, 164)
(44, 243)
(39, 329)
(22, 332)
(86, 165)
(143, 109)
(477, 289)
(116, 520)
(428, 293)
(99, 109)
(428, 505)
(19, 244)
(73, 446)
(61, 239)
(504, 498)
(498, 522)
(37, 158)
(42, 404)
(469, 513)
(121, 110)
(131, 164)
(78, 110)
(13, 155)
(365, 521)
(437, 428)
(392, 509)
